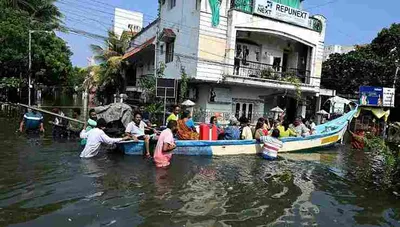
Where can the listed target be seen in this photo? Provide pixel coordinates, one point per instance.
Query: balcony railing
(246, 6)
(265, 71)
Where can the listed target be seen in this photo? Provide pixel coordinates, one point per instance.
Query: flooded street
(45, 183)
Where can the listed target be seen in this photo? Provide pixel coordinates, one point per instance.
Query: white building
(126, 20)
(337, 49)
(243, 64)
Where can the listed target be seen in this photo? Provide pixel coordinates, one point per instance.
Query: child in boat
(271, 145)
(165, 144)
(95, 138)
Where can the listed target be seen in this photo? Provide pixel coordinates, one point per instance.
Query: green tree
(50, 55)
(110, 56)
(40, 11)
(372, 64)
(76, 77)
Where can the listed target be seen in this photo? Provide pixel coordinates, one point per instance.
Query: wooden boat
(325, 135)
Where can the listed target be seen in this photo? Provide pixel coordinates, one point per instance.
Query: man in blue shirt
(33, 122)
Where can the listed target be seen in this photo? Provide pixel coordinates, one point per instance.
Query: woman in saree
(184, 132)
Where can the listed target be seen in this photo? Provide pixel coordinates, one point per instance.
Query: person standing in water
(32, 122)
(91, 124)
(165, 145)
(95, 138)
(271, 145)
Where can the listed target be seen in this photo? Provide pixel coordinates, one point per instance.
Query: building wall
(147, 33)
(212, 43)
(183, 19)
(336, 49)
(123, 18)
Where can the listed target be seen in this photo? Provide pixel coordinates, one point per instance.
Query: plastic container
(208, 134)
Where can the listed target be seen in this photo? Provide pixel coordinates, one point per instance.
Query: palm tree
(40, 11)
(110, 57)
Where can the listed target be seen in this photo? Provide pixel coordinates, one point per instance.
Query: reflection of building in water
(252, 61)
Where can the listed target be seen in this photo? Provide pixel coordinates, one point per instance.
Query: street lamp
(30, 61)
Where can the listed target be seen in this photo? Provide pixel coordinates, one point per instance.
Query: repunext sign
(281, 12)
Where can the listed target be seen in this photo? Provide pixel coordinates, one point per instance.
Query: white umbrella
(322, 112)
(188, 103)
(277, 110)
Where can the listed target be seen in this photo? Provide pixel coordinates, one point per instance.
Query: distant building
(240, 55)
(337, 49)
(126, 20)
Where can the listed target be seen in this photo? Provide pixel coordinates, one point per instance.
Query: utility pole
(30, 63)
(29, 68)
(397, 67)
(395, 75)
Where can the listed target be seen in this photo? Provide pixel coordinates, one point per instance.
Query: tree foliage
(50, 55)
(110, 56)
(372, 64)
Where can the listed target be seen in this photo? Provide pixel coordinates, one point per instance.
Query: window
(237, 111)
(250, 112)
(161, 49)
(172, 3)
(169, 52)
(244, 110)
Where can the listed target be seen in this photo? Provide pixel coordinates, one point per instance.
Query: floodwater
(45, 183)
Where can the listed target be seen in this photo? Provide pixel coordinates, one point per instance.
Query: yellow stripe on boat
(331, 139)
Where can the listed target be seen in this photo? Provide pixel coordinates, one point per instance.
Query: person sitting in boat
(300, 128)
(190, 123)
(91, 124)
(145, 114)
(165, 145)
(285, 130)
(136, 130)
(271, 145)
(232, 132)
(32, 122)
(260, 130)
(265, 122)
(176, 109)
(214, 122)
(184, 132)
(95, 138)
(246, 133)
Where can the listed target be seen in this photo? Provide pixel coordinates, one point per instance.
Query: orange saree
(185, 133)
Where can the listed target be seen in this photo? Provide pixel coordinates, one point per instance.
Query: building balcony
(250, 69)
(247, 6)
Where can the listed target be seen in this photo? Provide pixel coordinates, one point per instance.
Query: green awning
(291, 3)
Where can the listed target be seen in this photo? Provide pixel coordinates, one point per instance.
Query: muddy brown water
(44, 183)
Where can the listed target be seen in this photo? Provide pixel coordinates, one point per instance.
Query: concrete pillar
(318, 104)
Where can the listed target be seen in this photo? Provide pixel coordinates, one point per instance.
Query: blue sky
(348, 21)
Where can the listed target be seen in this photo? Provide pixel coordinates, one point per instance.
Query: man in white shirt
(136, 130)
(95, 138)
